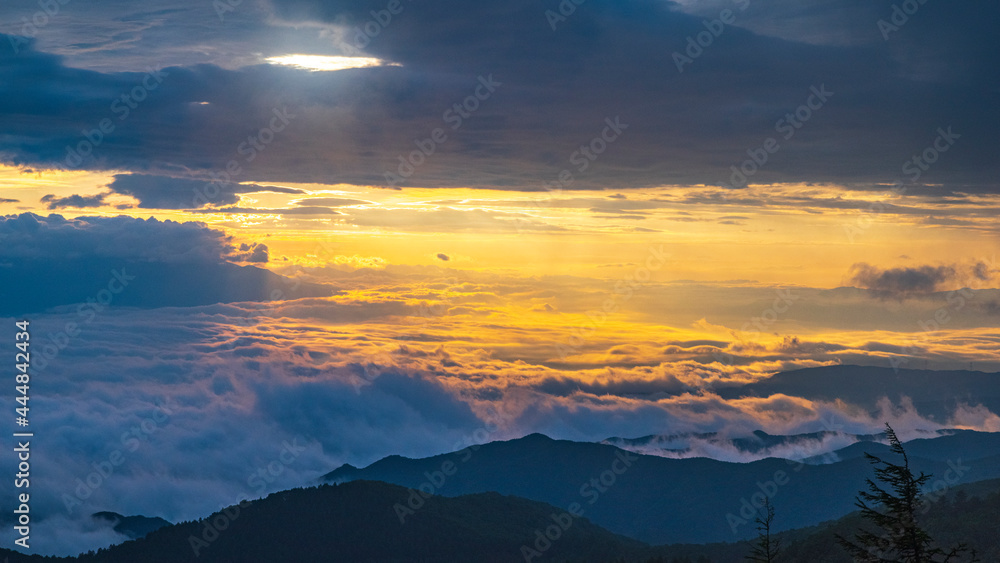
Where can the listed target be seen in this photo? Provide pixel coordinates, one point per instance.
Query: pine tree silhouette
(894, 513)
(765, 549)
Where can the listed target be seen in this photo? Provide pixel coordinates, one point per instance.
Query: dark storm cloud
(555, 90)
(163, 192)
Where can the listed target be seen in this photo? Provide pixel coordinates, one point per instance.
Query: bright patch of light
(325, 63)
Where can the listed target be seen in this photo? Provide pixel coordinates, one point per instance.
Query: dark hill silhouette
(357, 523)
(660, 500)
(966, 513)
(961, 444)
(131, 526)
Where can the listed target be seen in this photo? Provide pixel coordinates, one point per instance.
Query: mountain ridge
(633, 501)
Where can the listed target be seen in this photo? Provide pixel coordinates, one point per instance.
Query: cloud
(253, 252)
(164, 192)
(127, 262)
(384, 368)
(330, 201)
(446, 218)
(907, 282)
(353, 126)
(900, 283)
(213, 392)
(76, 201)
(619, 386)
(54, 237)
(265, 211)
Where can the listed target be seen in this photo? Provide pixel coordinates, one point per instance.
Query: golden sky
(520, 275)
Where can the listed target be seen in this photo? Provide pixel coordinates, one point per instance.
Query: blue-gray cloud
(164, 192)
(52, 261)
(605, 60)
(77, 201)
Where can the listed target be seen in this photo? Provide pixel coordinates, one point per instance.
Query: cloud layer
(91, 262)
(229, 387)
(617, 60)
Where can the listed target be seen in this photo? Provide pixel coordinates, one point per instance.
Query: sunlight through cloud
(327, 63)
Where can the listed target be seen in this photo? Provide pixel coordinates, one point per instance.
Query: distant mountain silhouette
(131, 526)
(965, 514)
(660, 500)
(757, 441)
(960, 444)
(358, 523)
(723, 447)
(935, 394)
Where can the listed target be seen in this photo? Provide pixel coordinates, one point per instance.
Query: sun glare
(325, 63)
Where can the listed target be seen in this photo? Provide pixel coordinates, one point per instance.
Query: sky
(394, 227)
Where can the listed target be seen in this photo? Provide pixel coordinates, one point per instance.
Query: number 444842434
(22, 361)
